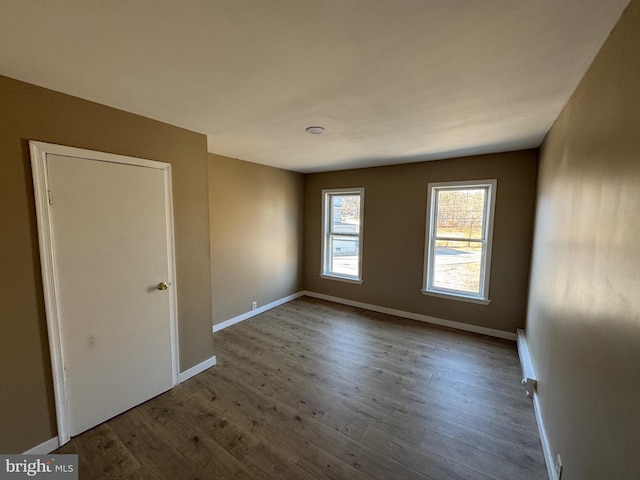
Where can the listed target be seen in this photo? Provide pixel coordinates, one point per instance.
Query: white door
(110, 241)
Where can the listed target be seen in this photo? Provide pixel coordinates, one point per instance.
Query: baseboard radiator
(529, 380)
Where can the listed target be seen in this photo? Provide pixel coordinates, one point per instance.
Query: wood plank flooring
(313, 390)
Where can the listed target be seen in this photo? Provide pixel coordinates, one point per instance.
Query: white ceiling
(392, 81)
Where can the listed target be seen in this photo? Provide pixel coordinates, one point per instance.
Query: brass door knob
(162, 286)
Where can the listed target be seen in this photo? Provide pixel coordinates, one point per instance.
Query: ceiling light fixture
(315, 130)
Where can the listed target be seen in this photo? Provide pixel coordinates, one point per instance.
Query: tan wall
(394, 233)
(583, 322)
(27, 412)
(256, 235)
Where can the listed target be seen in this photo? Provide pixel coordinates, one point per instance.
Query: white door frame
(39, 152)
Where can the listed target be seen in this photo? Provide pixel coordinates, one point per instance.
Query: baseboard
(257, 311)
(416, 316)
(546, 448)
(195, 370)
(44, 448)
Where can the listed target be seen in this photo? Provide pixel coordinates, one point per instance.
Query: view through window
(342, 236)
(459, 235)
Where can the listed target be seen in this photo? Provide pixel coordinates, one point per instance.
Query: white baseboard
(546, 448)
(257, 311)
(44, 448)
(195, 370)
(416, 316)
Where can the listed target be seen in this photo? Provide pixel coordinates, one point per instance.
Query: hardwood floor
(312, 389)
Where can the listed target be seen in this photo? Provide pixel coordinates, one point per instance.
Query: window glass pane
(345, 214)
(344, 255)
(457, 266)
(461, 213)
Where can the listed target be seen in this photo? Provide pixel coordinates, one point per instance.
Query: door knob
(162, 286)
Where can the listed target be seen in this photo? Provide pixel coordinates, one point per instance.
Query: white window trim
(324, 266)
(483, 298)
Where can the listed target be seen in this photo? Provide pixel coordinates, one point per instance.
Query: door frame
(39, 152)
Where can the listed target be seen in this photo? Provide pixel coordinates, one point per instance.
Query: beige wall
(394, 232)
(27, 414)
(256, 235)
(584, 315)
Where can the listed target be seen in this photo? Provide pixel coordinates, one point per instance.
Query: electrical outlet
(558, 467)
(254, 305)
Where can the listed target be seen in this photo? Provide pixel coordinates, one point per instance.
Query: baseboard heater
(529, 381)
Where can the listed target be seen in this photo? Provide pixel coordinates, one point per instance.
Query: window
(458, 239)
(342, 234)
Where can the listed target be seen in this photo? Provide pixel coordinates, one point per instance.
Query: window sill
(342, 279)
(452, 296)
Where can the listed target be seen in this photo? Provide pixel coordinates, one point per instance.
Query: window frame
(327, 235)
(487, 241)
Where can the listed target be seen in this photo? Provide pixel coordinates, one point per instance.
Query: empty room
(347, 239)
